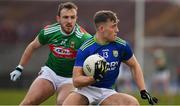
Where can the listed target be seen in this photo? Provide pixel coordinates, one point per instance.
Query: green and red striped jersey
(63, 48)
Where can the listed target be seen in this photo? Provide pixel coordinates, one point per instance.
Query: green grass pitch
(14, 97)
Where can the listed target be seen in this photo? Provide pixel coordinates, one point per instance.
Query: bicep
(35, 43)
(132, 62)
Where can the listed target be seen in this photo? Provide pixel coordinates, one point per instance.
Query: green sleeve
(43, 39)
(87, 36)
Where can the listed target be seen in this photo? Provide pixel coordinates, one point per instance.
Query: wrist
(19, 68)
(91, 79)
(142, 91)
(96, 78)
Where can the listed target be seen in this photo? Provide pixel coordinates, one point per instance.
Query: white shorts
(95, 95)
(57, 81)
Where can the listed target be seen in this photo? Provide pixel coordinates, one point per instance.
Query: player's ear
(101, 28)
(58, 19)
(76, 18)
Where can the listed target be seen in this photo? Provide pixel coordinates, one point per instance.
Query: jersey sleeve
(80, 58)
(87, 36)
(43, 39)
(127, 52)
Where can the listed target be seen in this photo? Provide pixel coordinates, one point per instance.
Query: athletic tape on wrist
(19, 68)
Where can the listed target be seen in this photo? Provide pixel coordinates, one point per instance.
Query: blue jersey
(114, 53)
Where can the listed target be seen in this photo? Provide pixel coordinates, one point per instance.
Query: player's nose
(69, 20)
(116, 29)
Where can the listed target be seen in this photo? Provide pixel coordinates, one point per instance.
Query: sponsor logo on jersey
(115, 53)
(112, 65)
(62, 52)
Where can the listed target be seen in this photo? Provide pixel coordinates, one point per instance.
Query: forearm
(138, 77)
(82, 81)
(137, 72)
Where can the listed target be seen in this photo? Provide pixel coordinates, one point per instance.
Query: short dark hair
(67, 5)
(103, 16)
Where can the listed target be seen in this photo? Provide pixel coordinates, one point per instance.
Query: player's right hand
(16, 74)
(145, 95)
(100, 70)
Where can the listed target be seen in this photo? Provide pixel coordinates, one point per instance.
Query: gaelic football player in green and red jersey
(63, 38)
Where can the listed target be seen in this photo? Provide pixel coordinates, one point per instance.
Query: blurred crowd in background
(20, 22)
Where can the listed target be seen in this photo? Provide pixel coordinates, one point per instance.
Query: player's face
(110, 31)
(67, 19)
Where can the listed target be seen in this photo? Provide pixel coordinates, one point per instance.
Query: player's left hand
(100, 70)
(146, 95)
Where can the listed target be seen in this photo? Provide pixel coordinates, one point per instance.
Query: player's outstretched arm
(139, 79)
(14, 75)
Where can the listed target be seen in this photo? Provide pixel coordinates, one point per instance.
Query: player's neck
(98, 38)
(65, 33)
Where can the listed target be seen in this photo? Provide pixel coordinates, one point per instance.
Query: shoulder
(120, 41)
(87, 43)
(81, 32)
(47, 32)
(49, 29)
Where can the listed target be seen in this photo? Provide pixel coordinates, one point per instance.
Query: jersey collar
(95, 39)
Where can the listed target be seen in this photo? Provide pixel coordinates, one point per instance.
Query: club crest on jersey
(115, 53)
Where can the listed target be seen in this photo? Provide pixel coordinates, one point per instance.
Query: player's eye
(65, 17)
(115, 25)
(72, 17)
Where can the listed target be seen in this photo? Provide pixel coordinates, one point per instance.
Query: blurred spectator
(161, 76)
(178, 79)
(8, 33)
(124, 81)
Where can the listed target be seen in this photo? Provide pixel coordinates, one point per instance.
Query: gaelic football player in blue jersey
(97, 89)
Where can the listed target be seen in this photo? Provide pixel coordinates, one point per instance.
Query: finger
(105, 69)
(11, 76)
(14, 77)
(105, 66)
(101, 66)
(155, 99)
(96, 65)
(150, 101)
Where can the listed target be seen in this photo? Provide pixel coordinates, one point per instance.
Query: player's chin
(112, 39)
(68, 30)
